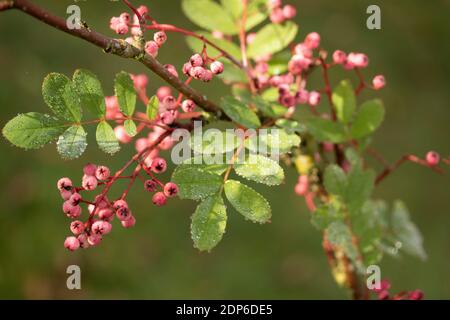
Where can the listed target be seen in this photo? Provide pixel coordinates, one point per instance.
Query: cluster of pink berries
(101, 210)
(195, 68)
(121, 24)
(280, 13)
(383, 293)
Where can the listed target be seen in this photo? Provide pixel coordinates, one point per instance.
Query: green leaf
(327, 130)
(359, 188)
(152, 108)
(209, 15)
(208, 223)
(196, 45)
(291, 125)
(247, 201)
(90, 92)
(406, 231)
(126, 95)
(72, 143)
(344, 101)
(325, 215)
(267, 108)
(279, 62)
(272, 141)
(32, 130)
(335, 180)
(339, 234)
(214, 141)
(232, 74)
(130, 127)
(256, 11)
(59, 94)
(205, 163)
(240, 113)
(260, 169)
(106, 138)
(369, 117)
(272, 38)
(196, 184)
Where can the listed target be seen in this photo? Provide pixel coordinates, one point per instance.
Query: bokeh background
(282, 260)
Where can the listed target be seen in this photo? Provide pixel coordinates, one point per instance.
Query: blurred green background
(284, 259)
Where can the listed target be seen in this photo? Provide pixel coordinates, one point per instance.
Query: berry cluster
(101, 209)
(383, 293)
(195, 67)
(280, 13)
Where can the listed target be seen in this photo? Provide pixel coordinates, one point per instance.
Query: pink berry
(167, 118)
(196, 60)
(64, 184)
(89, 182)
(171, 69)
(416, 295)
(359, 60)
(216, 67)
(101, 227)
(197, 73)
(121, 28)
(123, 213)
(142, 10)
(65, 194)
(70, 210)
(77, 227)
(289, 11)
(170, 103)
(251, 37)
(150, 185)
(89, 169)
(302, 96)
(159, 199)
(141, 144)
(160, 37)
(125, 18)
(83, 239)
(277, 15)
(71, 243)
(94, 239)
(312, 40)
(314, 98)
(187, 68)
(207, 76)
(301, 188)
(188, 105)
(339, 57)
(129, 223)
(101, 201)
(102, 173)
(140, 81)
(105, 214)
(303, 50)
(163, 92)
(75, 199)
(122, 135)
(159, 165)
(151, 48)
(170, 189)
(432, 158)
(274, 3)
(120, 204)
(378, 82)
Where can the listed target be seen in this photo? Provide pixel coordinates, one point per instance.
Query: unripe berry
(207, 76)
(301, 188)
(125, 18)
(140, 81)
(120, 204)
(302, 96)
(142, 10)
(159, 199)
(101, 227)
(276, 15)
(339, 57)
(105, 214)
(77, 227)
(171, 69)
(163, 92)
(121, 28)
(129, 223)
(167, 118)
(170, 189)
(89, 182)
(289, 11)
(314, 98)
(75, 199)
(70, 210)
(378, 82)
(83, 239)
(286, 100)
(170, 103)
(197, 73)
(159, 165)
(94, 239)
(102, 173)
(188, 105)
(101, 201)
(89, 169)
(216, 67)
(312, 40)
(150, 185)
(359, 60)
(122, 135)
(432, 158)
(64, 184)
(196, 60)
(303, 50)
(160, 37)
(65, 194)
(187, 68)
(123, 213)
(151, 48)
(71, 243)
(166, 144)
